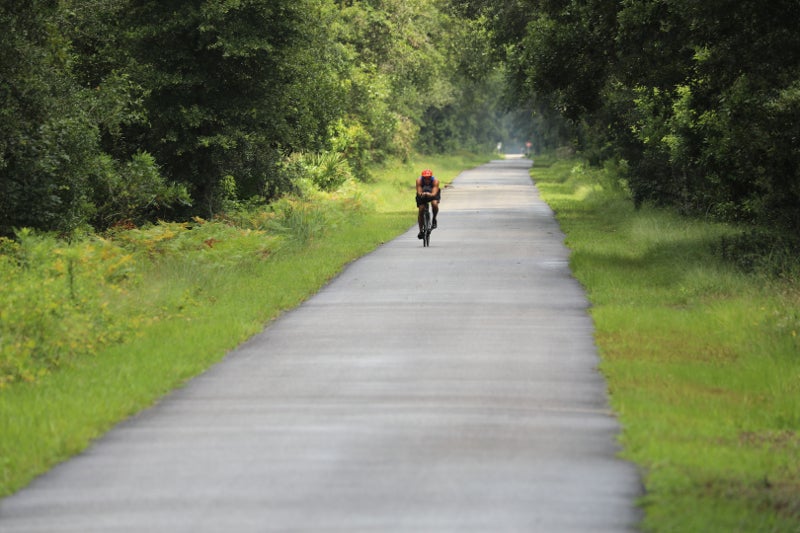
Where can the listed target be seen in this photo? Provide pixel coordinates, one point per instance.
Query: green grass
(187, 298)
(702, 360)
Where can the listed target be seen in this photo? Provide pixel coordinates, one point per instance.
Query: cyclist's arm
(435, 188)
(420, 192)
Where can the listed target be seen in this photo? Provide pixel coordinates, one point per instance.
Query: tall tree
(48, 143)
(230, 88)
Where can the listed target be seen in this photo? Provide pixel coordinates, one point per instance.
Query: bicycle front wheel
(426, 232)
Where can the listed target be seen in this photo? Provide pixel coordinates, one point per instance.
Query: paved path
(451, 388)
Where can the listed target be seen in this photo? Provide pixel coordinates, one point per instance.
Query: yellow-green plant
(58, 301)
(61, 300)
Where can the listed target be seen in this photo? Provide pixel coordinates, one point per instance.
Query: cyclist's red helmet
(427, 173)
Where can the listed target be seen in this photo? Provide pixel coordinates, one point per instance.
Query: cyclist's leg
(435, 205)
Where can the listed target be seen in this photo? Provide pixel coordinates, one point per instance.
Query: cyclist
(427, 191)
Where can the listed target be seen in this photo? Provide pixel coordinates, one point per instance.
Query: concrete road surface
(450, 388)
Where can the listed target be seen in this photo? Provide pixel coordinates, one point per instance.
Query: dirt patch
(772, 439)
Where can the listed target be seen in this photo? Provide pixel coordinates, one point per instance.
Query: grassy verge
(702, 360)
(168, 310)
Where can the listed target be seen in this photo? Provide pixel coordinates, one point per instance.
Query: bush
(763, 251)
(57, 302)
(133, 192)
(353, 141)
(328, 170)
(63, 300)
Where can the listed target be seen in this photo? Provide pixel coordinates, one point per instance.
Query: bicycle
(426, 226)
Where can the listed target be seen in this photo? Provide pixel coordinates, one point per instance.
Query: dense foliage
(48, 141)
(700, 101)
(127, 111)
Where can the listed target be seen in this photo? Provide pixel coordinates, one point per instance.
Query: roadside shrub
(133, 192)
(215, 244)
(355, 143)
(58, 301)
(762, 251)
(63, 300)
(328, 170)
(299, 222)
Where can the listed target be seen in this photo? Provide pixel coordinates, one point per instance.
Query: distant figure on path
(427, 191)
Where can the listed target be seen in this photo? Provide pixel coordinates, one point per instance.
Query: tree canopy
(118, 111)
(700, 101)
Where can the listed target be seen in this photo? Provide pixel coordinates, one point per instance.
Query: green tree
(48, 142)
(396, 68)
(54, 174)
(229, 89)
(699, 98)
(716, 84)
(421, 76)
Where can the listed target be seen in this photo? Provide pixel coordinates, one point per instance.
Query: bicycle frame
(426, 228)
